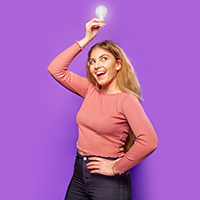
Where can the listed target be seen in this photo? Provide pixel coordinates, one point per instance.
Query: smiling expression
(104, 68)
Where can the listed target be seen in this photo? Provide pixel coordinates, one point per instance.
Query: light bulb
(101, 12)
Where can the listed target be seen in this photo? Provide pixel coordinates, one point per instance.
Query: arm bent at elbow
(146, 139)
(59, 65)
(142, 148)
(58, 68)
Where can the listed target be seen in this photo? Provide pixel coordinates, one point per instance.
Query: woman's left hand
(102, 166)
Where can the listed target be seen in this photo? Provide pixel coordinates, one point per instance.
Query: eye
(92, 62)
(104, 58)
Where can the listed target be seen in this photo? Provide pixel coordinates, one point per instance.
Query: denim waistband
(80, 156)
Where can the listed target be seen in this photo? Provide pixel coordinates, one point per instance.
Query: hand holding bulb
(93, 26)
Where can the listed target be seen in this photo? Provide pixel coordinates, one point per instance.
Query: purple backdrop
(38, 128)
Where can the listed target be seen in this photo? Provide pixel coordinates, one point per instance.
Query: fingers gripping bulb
(101, 12)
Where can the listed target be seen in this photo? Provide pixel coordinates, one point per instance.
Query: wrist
(83, 42)
(114, 170)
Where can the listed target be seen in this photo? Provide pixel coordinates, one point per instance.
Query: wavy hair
(127, 80)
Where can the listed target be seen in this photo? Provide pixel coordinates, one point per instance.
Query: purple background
(38, 128)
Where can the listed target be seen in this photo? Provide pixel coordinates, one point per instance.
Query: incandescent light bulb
(101, 12)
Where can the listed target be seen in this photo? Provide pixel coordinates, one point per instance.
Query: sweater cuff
(123, 165)
(79, 45)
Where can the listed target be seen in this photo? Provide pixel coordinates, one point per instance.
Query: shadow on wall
(137, 182)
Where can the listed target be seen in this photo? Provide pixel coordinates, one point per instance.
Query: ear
(118, 65)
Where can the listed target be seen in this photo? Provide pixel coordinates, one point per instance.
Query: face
(104, 68)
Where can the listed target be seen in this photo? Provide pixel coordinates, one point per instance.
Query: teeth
(98, 73)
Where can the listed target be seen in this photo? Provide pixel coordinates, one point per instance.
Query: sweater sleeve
(146, 139)
(58, 68)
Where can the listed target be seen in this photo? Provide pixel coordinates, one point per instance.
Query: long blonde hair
(126, 78)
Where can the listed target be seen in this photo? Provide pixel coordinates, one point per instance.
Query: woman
(111, 112)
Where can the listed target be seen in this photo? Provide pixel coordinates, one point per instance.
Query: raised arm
(58, 68)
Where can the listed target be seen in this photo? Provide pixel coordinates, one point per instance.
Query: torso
(83, 153)
(102, 123)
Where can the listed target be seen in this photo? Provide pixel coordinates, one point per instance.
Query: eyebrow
(101, 56)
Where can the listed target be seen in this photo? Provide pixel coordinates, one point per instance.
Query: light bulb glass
(101, 12)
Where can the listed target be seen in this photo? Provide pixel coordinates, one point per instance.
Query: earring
(118, 68)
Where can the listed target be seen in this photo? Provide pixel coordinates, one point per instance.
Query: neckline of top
(110, 94)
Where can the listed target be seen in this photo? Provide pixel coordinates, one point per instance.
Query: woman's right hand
(92, 28)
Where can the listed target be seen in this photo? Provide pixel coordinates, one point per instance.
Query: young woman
(110, 117)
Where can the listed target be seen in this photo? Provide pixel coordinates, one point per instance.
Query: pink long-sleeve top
(104, 120)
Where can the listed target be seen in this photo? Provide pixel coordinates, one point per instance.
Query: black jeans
(87, 186)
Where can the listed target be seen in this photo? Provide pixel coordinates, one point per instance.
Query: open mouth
(100, 74)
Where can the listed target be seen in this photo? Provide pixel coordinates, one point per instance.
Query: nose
(97, 65)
